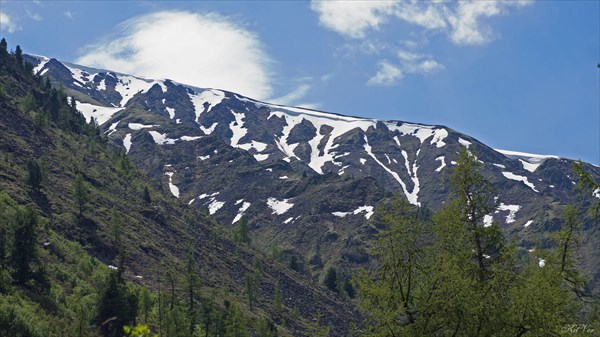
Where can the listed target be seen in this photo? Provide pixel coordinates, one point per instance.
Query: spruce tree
(146, 196)
(81, 193)
(34, 175)
(331, 279)
(3, 46)
(19, 56)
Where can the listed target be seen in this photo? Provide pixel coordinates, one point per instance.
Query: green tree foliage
(146, 302)
(35, 174)
(81, 193)
(3, 46)
(251, 282)
(242, 231)
(28, 103)
(117, 307)
(587, 186)
(266, 328)
(277, 300)
(463, 279)
(146, 196)
(19, 55)
(235, 323)
(331, 279)
(24, 254)
(316, 329)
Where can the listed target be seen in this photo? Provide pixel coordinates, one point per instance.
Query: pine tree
(34, 175)
(117, 307)
(277, 301)
(235, 323)
(146, 303)
(242, 230)
(146, 195)
(316, 329)
(81, 193)
(331, 279)
(3, 47)
(251, 285)
(19, 56)
(24, 254)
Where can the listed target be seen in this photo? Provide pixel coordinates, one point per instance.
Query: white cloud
(69, 14)
(352, 18)
(204, 50)
(390, 74)
(462, 21)
(425, 14)
(387, 75)
(7, 23)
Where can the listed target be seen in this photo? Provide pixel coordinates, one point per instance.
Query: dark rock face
(309, 180)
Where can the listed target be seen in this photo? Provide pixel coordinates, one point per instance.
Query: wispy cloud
(462, 21)
(34, 16)
(388, 74)
(302, 89)
(69, 14)
(204, 50)
(7, 23)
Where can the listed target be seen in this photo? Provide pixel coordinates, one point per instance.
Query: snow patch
(171, 112)
(463, 142)
(40, 65)
(161, 138)
(241, 211)
(127, 142)
(212, 97)
(211, 129)
(279, 206)
(189, 138)
(261, 157)
(204, 195)
(420, 131)
(214, 206)
(204, 157)
(512, 176)
(138, 126)
(527, 223)
(174, 189)
(367, 209)
(442, 163)
(500, 166)
(100, 113)
(411, 196)
(113, 128)
(488, 220)
(363, 160)
(512, 211)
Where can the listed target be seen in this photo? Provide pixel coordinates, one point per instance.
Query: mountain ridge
(223, 151)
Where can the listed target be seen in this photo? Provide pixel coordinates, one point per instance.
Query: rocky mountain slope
(158, 235)
(308, 180)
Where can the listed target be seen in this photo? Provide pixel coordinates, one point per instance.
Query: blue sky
(517, 75)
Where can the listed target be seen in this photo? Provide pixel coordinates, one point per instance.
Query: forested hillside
(88, 243)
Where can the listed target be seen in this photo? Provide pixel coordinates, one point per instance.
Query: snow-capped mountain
(307, 180)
